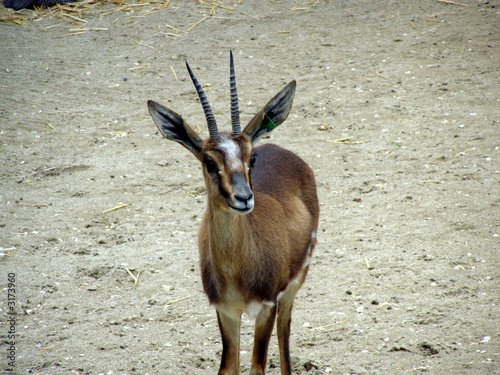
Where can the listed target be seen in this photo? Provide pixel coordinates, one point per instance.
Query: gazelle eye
(252, 161)
(210, 165)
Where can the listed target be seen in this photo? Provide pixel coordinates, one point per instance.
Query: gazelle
(259, 229)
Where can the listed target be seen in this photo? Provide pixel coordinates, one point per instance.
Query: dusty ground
(397, 111)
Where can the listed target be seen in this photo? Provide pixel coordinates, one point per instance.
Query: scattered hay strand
(192, 194)
(115, 208)
(173, 71)
(432, 182)
(136, 278)
(50, 126)
(377, 74)
(48, 348)
(177, 300)
(345, 141)
(133, 24)
(38, 205)
(4, 255)
(123, 133)
(72, 34)
(7, 248)
(208, 322)
(320, 328)
(75, 18)
(197, 23)
(431, 20)
(368, 264)
(171, 27)
(89, 29)
(451, 3)
(145, 45)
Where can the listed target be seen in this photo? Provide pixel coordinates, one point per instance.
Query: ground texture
(397, 111)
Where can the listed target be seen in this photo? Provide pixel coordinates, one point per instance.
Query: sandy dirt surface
(397, 111)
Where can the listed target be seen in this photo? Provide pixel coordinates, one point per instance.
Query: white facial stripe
(232, 152)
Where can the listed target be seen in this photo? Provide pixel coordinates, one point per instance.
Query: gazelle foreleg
(230, 333)
(264, 325)
(285, 304)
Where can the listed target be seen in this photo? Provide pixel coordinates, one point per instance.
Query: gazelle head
(227, 158)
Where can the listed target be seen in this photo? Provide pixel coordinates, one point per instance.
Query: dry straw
(76, 12)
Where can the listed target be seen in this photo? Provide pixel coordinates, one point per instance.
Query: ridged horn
(235, 112)
(212, 125)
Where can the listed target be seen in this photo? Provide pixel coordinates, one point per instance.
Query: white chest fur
(252, 309)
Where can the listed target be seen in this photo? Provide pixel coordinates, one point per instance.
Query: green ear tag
(267, 124)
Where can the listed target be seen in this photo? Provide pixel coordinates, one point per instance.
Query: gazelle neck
(226, 228)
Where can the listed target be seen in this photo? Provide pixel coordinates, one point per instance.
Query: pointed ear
(273, 114)
(173, 127)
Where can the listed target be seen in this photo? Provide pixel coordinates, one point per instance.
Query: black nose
(244, 196)
(242, 192)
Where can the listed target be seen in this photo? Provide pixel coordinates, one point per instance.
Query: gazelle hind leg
(264, 325)
(230, 333)
(285, 305)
